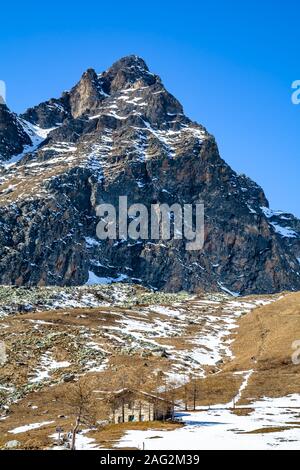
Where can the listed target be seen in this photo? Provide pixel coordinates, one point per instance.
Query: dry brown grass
(270, 430)
(214, 389)
(49, 407)
(242, 411)
(111, 434)
(264, 343)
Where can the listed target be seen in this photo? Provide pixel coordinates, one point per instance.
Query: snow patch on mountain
(37, 136)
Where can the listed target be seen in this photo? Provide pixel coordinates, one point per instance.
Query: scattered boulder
(68, 377)
(12, 444)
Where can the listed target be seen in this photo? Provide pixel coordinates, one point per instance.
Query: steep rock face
(121, 133)
(87, 95)
(13, 138)
(50, 114)
(43, 239)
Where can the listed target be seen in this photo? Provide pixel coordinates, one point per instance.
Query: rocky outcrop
(122, 133)
(13, 137)
(50, 114)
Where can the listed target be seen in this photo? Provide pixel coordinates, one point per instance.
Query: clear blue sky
(230, 63)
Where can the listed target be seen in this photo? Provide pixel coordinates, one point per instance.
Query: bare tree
(194, 391)
(186, 393)
(171, 392)
(121, 378)
(82, 405)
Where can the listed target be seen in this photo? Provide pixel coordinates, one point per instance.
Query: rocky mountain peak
(130, 61)
(127, 71)
(120, 133)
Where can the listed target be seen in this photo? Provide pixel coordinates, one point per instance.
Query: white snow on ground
(219, 428)
(93, 279)
(140, 329)
(247, 376)
(213, 344)
(82, 442)
(46, 366)
(171, 312)
(80, 297)
(225, 289)
(86, 300)
(30, 427)
(39, 323)
(156, 328)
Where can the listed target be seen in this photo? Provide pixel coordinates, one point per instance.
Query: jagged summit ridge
(120, 132)
(88, 94)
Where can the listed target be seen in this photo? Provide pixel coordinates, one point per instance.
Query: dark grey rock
(122, 133)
